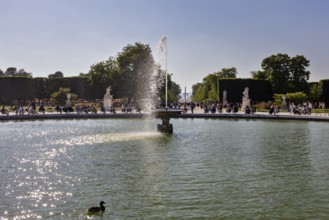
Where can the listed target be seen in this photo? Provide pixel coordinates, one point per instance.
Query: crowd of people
(215, 107)
(305, 108)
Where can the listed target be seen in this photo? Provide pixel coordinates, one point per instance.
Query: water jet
(165, 114)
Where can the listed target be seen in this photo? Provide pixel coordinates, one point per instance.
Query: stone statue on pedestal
(108, 99)
(245, 99)
(284, 102)
(224, 98)
(68, 101)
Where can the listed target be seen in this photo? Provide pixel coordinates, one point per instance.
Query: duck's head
(102, 203)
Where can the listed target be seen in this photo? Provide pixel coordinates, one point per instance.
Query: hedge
(24, 88)
(325, 91)
(259, 90)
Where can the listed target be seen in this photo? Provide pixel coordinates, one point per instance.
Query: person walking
(192, 106)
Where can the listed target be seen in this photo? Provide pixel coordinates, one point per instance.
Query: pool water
(207, 169)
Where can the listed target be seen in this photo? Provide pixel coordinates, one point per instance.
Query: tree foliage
(259, 75)
(129, 75)
(325, 91)
(175, 91)
(227, 73)
(296, 97)
(102, 75)
(195, 88)
(13, 72)
(315, 91)
(55, 75)
(298, 74)
(286, 74)
(276, 68)
(136, 67)
(277, 99)
(208, 89)
(173, 88)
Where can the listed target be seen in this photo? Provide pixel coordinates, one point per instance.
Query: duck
(98, 209)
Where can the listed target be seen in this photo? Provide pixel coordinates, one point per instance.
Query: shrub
(297, 97)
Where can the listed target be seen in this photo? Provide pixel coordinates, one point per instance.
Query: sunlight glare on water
(103, 138)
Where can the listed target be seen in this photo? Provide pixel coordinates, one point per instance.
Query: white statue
(284, 102)
(224, 98)
(245, 99)
(68, 101)
(284, 97)
(108, 93)
(246, 93)
(108, 99)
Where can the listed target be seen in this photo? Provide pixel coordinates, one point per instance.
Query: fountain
(108, 99)
(165, 114)
(245, 99)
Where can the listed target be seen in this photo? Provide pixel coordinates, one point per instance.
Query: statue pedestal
(68, 104)
(245, 103)
(284, 105)
(108, 104)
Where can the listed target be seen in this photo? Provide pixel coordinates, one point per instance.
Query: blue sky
(204, 36)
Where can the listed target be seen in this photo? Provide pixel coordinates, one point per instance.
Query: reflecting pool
(208, 169)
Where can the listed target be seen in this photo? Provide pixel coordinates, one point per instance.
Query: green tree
(284, 73)
(259, 75)
(207, 90)
(315, 91)
(23, 73)
(56, 75)
(297, 97)
(201, 93)
(12, 71)
(195, 88)
(227, 73)
(212, 83)
(136, 67)
(1, 73)
(102, 75)
(84, 74)
(278, 99)
(173, 89)
(276, 68)
(298, 74)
